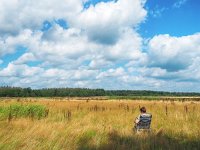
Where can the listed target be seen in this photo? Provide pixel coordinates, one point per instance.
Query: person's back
(143, 121)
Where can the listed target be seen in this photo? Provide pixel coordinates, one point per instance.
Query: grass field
(58, 123)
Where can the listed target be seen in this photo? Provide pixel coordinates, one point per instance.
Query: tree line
(82, 92)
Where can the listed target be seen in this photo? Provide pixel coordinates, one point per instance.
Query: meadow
(72, 124)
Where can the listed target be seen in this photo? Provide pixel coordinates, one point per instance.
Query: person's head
(143, 110)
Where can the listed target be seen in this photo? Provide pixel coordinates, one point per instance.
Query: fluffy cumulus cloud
(99, 47)
(174, 53)
(9, 43)
(176, 57)
(104, 22)
(16, 15)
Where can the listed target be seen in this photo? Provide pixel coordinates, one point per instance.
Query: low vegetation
(15, 111)
(91, 124)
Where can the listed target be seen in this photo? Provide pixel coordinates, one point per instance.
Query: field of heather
(70, 124)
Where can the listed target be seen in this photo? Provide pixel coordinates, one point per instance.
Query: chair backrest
(145, 121)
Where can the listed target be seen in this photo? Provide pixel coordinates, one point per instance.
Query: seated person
(143, 121)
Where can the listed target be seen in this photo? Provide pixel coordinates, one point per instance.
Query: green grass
(22, 111)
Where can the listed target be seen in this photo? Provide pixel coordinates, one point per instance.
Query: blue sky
(110, 44)
(174, 17)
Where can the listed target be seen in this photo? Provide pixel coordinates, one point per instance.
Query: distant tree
(82, 92)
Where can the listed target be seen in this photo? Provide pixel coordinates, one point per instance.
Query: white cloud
(105, 21)
(157, 11)
(26, 57)
(140, 82)
(71, 47)
(128, 47)
(112, 73)
(16, 15)
(20, 71)
(71, 44)
(179, 3)
(99, 62)
(174, 53)
(8, 45)
(26, 76)
(148, 72)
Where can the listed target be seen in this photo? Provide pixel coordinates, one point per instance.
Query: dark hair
(143, 110)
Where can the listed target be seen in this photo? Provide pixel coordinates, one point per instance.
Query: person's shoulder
(146, 115)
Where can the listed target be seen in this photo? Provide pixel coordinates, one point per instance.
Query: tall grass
(102, 125)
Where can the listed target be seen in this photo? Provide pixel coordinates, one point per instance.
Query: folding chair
(144, 124)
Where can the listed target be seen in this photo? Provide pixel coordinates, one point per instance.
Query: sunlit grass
(101, 125)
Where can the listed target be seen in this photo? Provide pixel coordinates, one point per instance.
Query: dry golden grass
(79, 125)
